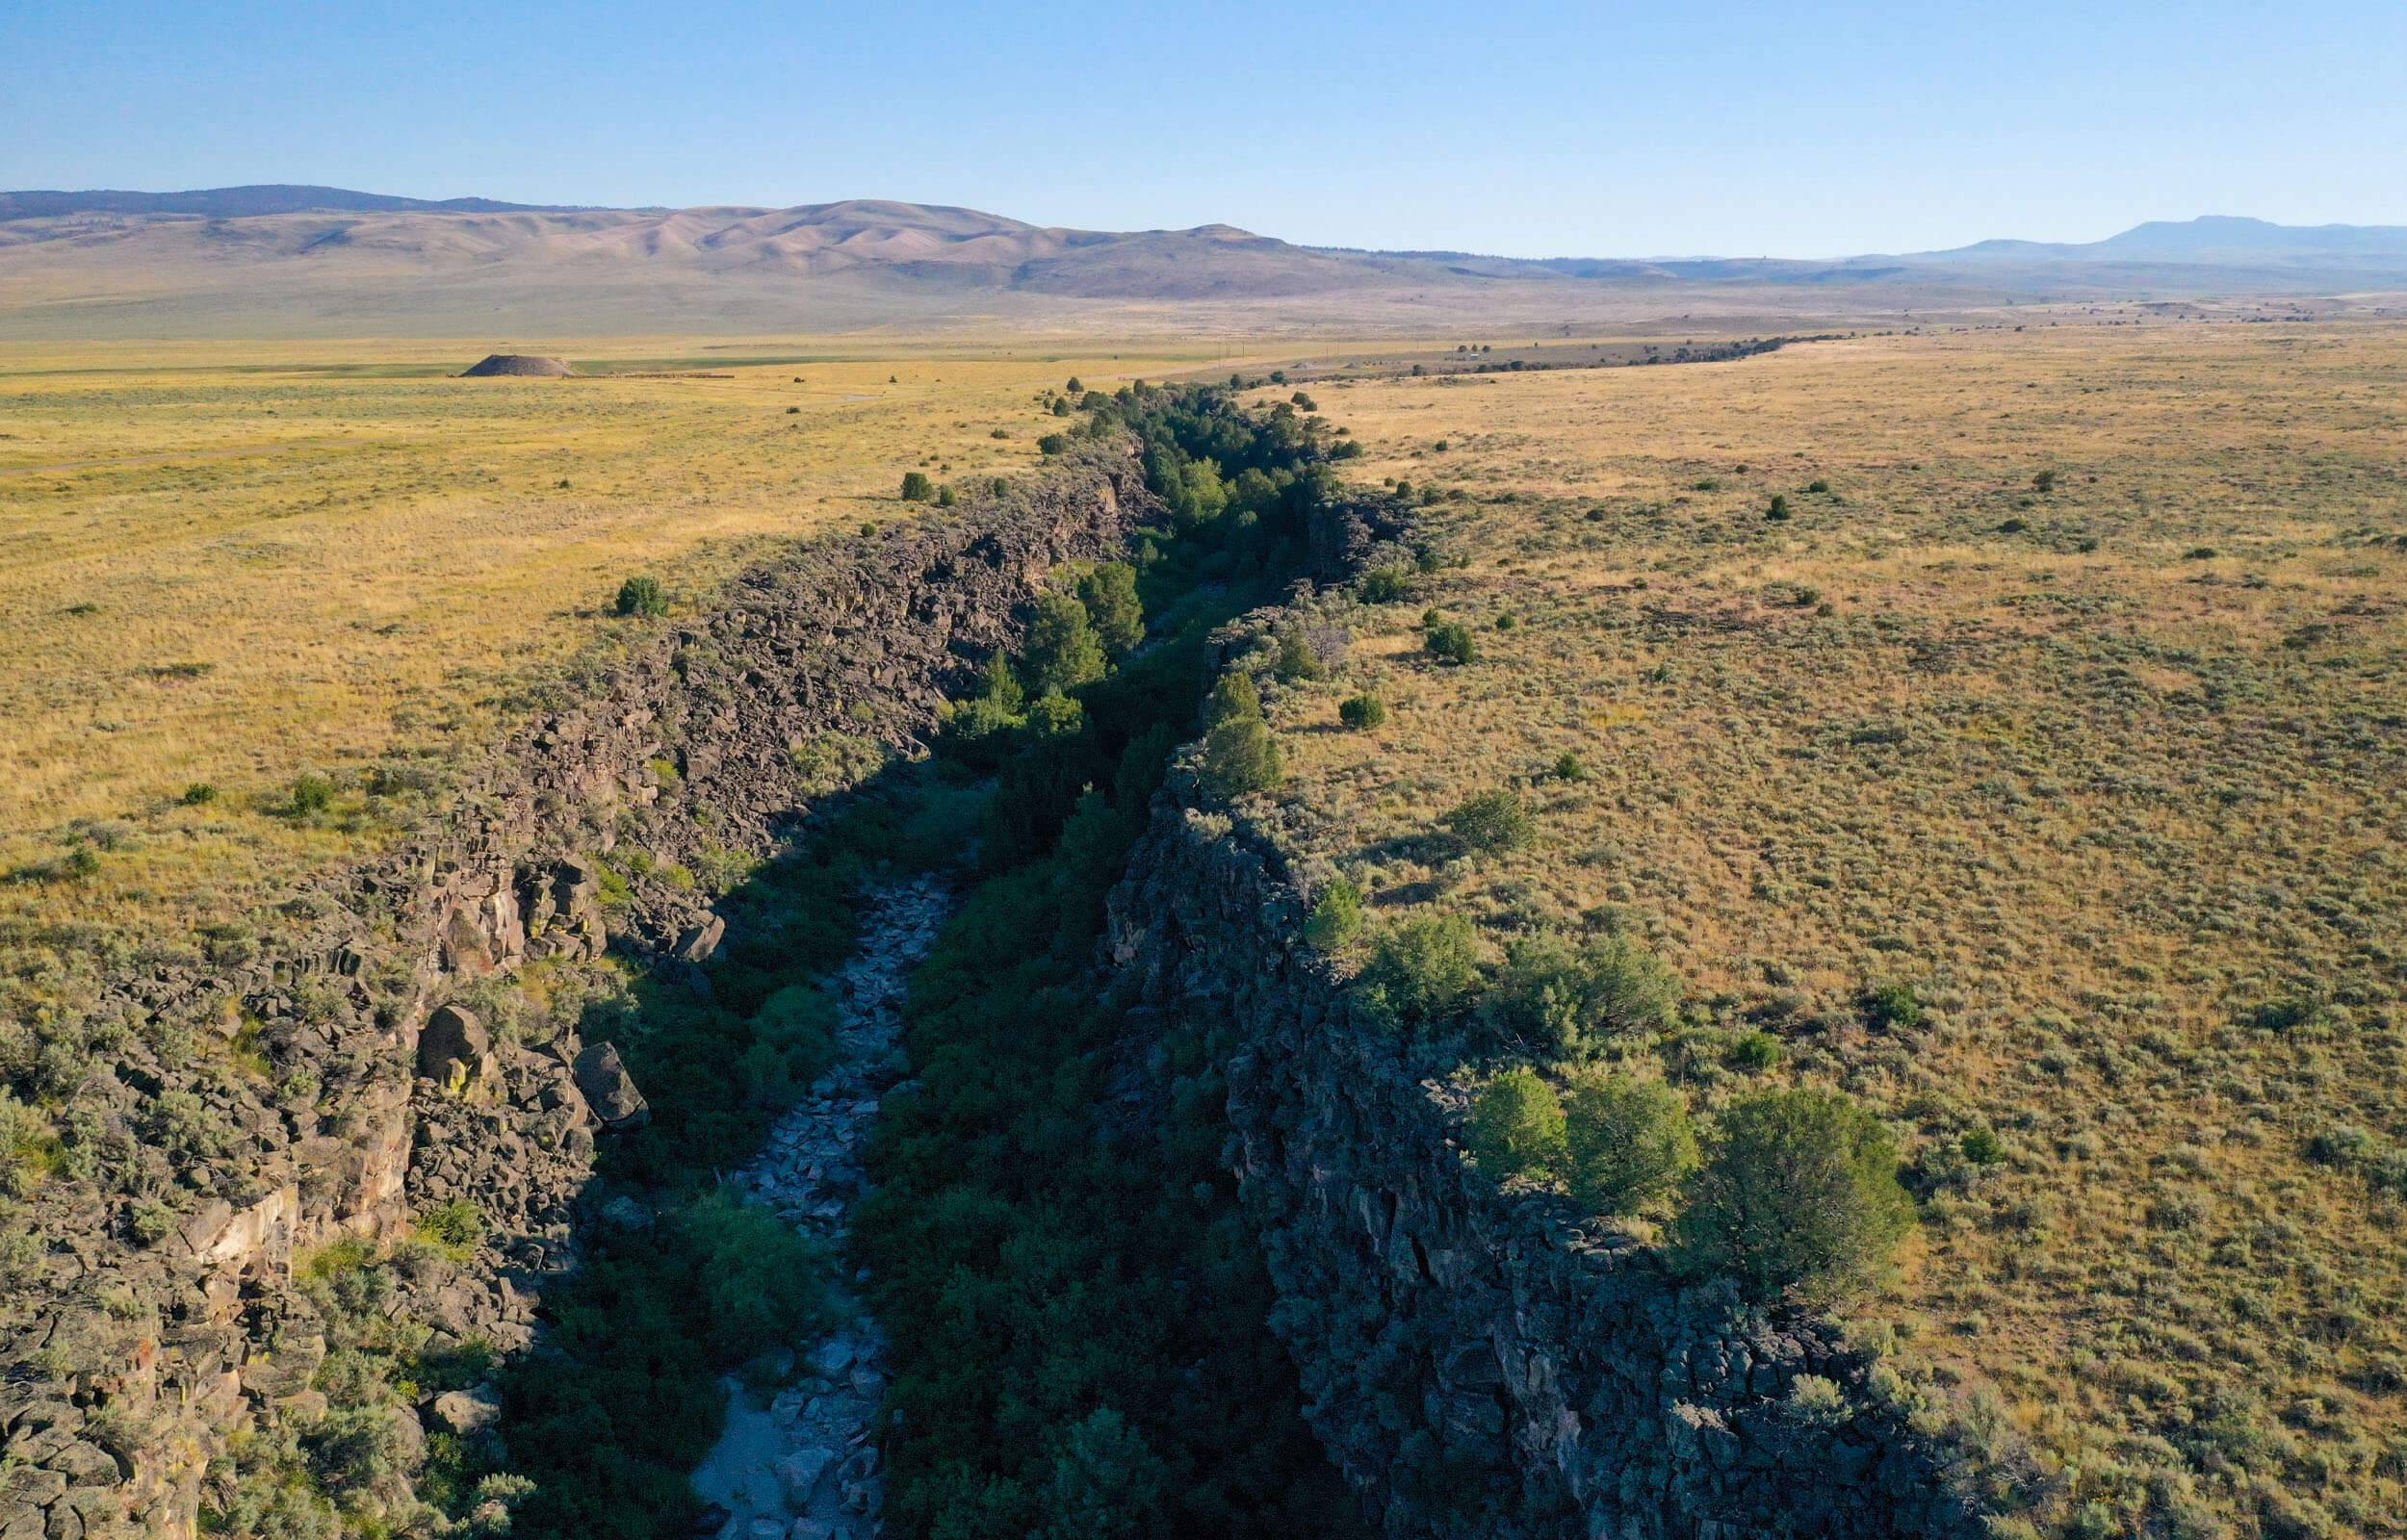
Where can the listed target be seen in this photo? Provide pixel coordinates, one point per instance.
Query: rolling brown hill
(287, 261)
(586, 270)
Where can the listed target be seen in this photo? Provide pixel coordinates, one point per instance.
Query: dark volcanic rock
(609, 1089)
(1565, 1381)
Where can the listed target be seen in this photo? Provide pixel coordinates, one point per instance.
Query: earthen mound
(523, 365)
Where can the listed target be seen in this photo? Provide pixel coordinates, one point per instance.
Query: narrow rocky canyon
(802, 1465)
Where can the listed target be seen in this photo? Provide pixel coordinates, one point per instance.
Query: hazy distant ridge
(246, 202)
(269, 259)
(2213, 239)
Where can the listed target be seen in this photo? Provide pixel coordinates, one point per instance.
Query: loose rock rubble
(805, 1467)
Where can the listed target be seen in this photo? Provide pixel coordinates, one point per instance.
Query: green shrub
(946, 496)
(1423, 972)
(1055, 716)
(1337, 918)
(642, 597)
(1240, 756)
(1109, 594)
(1061, 651)
(1756, 1051)
(1981, 1146)
(1296, 658)
(1492, 821)
(762, 1282)
(312, 793)
(26, 1146)
(1799, 1193)
(150, 1222)
(1105, 1481)
(831, 761)
(2290, 1013)
(1362, 713)
(457, 1228)
(793, 1040)
(1054, 442)
(1778, 510)
(1517, 1127)
(1385, 585)
(1889, 1007)
(1629, 1142)
(1450, 642)
(1234, 695)
(917, 487)
(199, 794)
(1569, 766)
(1816, 1400)
(1560, 999)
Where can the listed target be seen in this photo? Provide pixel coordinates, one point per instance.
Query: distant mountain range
(248, 202)
(2214, 239)
(272, 259)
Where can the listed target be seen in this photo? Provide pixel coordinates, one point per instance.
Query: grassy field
(2071, 691)
(232, 565)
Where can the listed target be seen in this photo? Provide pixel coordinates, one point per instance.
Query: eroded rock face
(1562, 1380)
(887, 623)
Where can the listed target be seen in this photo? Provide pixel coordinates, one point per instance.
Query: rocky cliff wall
(160, 1314)
(1477, 1364)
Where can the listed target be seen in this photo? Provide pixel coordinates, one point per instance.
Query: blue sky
(1533, 130)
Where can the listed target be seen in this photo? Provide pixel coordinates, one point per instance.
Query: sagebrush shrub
(1492, 821)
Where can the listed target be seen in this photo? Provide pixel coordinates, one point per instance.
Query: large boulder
(455, 1049)
(603, 1080)
(699, 940)
(464, 1411)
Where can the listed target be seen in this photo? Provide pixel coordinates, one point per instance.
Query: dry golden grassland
(2077, 699)
(230, 565)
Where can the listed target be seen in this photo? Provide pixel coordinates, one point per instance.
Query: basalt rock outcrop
(1479, 1364)
(159, 1312)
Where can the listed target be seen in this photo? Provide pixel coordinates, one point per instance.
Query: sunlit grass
(233, 563)
(2077, 699)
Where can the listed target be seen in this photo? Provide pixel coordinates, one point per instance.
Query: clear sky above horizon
(1604, 129)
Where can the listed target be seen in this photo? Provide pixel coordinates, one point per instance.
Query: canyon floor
(800, 1463)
